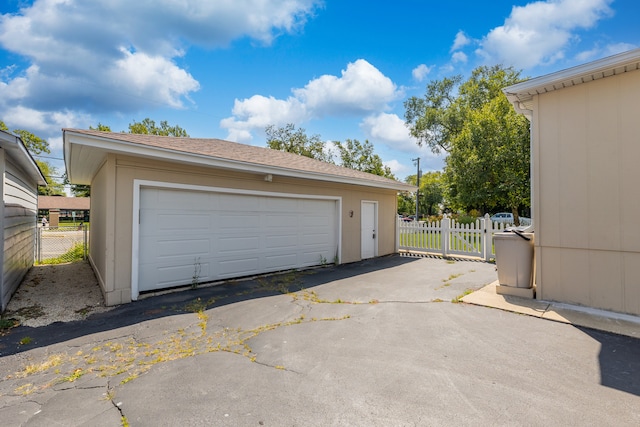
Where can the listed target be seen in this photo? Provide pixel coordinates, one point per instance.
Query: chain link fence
(55, 245)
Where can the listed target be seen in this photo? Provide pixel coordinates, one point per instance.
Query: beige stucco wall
(586, 206)
(112, 211)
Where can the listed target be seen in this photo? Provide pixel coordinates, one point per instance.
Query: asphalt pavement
(382, 342)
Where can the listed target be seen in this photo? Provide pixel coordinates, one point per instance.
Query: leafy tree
(435, 119)
(288, 139)
(36, 145)
(103, 128)
(487, 141)
(358, 156)
(406, 204)
(54, 188)
(431, 191)
(148, 127)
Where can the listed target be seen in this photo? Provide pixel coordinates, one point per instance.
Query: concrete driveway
(375, 343)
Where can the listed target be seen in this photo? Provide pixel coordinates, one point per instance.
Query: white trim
(135, 219)
(375, 226)
(521, 94)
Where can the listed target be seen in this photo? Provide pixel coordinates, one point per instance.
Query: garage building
(166, 211)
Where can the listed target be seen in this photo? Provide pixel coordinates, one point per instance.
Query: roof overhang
(16, 149)
(521, 95)
(84, 155)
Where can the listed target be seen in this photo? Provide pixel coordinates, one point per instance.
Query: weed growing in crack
(458, 299)
(124, 361)
(279, 283)
(197, 268)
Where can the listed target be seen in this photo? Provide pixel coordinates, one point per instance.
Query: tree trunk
(516, 217)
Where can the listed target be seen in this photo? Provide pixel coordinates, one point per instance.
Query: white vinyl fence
(447, 237)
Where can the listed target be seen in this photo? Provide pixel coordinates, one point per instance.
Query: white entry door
(205, 235)
(369, 229)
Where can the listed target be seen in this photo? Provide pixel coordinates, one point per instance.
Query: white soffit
(521, 94)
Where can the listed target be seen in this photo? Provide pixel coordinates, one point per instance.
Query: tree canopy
(148, 127)
(352, 153)
(36, 146)
(431, 191)
(487, 142)
(288, 139)
(355, 155)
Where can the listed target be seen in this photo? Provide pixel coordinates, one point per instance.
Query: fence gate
(61, 244)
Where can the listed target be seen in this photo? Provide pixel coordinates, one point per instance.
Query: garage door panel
(316, 221)
(236, 203)
(274, 204)
(237, 221)
(281, 220)
(317, 239)
(281, 262)
(235, 243)
(230, 235)
(182, 221)
(288, 241)
(308, 258)
(164, 276)
(184, 247)
(234, 266)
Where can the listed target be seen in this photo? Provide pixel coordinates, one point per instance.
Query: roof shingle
(241, 153)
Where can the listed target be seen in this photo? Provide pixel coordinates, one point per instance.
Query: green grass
(73, 224)
(74, 254)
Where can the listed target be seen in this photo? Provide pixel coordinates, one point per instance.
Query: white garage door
(219, 235)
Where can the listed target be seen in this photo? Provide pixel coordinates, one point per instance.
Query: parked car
(507, 218)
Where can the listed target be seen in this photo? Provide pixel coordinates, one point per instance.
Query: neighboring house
(20, 179)
(585, 149)
(171, 211)
(66, 208)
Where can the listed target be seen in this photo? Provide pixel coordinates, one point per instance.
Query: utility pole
(417, 161)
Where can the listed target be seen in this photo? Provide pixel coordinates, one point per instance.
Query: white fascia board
(128, 148)
(521, 93)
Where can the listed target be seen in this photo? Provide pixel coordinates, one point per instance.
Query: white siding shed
(18, 220)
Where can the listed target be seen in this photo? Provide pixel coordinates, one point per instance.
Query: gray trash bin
(514, 258)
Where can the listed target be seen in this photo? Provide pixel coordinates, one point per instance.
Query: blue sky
(229, 68)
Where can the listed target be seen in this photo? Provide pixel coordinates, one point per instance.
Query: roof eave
(521, 94)
(103, 145)
(15, 145)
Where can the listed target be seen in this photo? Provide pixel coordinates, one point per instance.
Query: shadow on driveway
(189, 300)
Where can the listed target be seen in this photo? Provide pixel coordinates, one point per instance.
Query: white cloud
(43, 123)
(599, 52)
(460, 41)
(106, 56)
(391, 131)
(360, 89)
(258, 112)
(539, 32)
(399, 169)
(459, 57)
(421, 72)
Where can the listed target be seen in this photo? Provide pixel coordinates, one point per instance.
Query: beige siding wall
(117, 279)
(99, 246)
(587, 204)
(19, 227)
